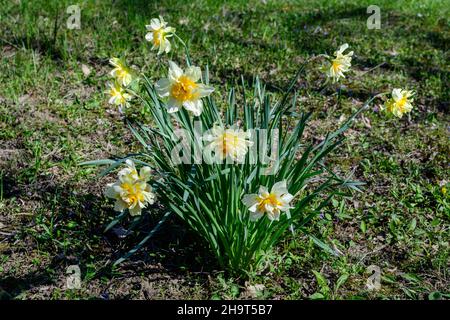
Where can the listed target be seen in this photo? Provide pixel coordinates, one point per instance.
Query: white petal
(135, 211)
(195, 107)
(173, 105)
(149, 197)
(263, 190)
(127, 96)
(168, 31)
(167, 46)
(250, 200)
(162, 22)
(149, 36)
(194, 73)
(254, 216)
(163, 87)
(343, 47)
(279, 188)
(130, 164)
(203, 90)
(274, 216)
(114, 62)
(287, 198)
(155, 24)
(396, 112)
(124, 172)
(120, 205)
(253, 208)
(269, 208)
(145, 173)
(161, 47)
(110, 192)
(408, 107)
(217, 130)
(397, 94)
(174, 70)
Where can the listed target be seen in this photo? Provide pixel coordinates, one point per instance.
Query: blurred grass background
(53, 114)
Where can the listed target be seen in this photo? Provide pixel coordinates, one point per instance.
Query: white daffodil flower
(400, 103)
(120, 72)
(231, 143)
(118, 95)
(183, 89)
(270, 203)
(340, 64)
(131, 191)
(159, 34)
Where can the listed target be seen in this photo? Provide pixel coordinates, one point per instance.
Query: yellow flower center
(118, 94)
(336, 65)
(157, 36)
(184, 89)
(401, 103)
(230, 142)
(133, 193)
(271, 200)
(122, 74)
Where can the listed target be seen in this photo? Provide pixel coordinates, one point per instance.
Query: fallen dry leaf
(86, 70)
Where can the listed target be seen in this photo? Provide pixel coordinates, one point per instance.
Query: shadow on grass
(74, 235)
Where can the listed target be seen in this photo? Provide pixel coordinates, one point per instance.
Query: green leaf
(363, 226)
(97, 162)
(322, 282)
(323, 245)
(143, 241)
(436, 295)
(412, 225)
(342, 279)
(115, 221)
(317, 296)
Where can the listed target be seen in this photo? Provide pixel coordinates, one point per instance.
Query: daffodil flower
(118, 95)
(131, 191)
(340, 64)
(400, 102)
(270, 203)
(183, 89)
(120, 72)
(159, 34)
(231, 143)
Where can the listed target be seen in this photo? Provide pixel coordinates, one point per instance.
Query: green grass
(52, 116)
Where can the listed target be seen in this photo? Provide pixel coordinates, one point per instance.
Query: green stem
(186, 50)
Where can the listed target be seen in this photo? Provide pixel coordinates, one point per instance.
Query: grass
(53, 116)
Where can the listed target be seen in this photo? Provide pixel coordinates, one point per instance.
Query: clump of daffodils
(270, 204)
(118, 95)
(183, 89)
(399, 103)
(131, 191)
(236, 206)
(340, 64)
(228, 143)
(159, 35)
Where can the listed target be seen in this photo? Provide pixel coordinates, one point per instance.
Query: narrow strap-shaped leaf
(323, 245)
(116, 220)
(97, 162)
(143, 241)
